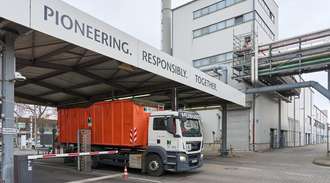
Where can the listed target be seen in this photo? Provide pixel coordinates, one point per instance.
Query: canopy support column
(8, 65)
(174, 100)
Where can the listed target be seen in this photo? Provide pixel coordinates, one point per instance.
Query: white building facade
(203, 36)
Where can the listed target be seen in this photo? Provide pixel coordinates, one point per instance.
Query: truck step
(171, 156)
(171, 163)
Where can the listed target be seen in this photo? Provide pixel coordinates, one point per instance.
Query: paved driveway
(279, 166)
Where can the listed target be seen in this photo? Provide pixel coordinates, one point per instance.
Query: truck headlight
(183, 158)
(202, 156)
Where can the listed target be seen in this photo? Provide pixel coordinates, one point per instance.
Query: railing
(297, 55)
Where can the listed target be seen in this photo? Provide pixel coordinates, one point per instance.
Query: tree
(37, 113)
(27, 110)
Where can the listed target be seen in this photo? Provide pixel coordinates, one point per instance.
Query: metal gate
(238, 129)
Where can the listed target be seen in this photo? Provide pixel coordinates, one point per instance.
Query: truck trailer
(154, 142)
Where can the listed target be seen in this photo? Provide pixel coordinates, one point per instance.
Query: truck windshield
(191, 128)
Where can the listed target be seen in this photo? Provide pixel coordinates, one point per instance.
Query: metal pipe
(286, 87)
(174, 100)
(328, 140)
(167, 26)
(224, 150)
(294, 122)
(216, 69)
(78, 149)
(279, 123)
(329, 80)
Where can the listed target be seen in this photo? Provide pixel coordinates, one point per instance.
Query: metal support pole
(78, 149)
(224, 150)
(329, 80)
(254, 122)
(279, 123)
(7, 113)
(328, 140)
(294, 122)
(174, 100)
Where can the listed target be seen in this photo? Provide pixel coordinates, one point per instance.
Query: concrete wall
(211, 123)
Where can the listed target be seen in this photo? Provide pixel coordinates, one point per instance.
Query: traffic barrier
(48, 156)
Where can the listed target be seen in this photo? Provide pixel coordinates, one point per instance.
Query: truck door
(159, 134)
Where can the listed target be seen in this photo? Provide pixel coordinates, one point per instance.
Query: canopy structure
(71, 58)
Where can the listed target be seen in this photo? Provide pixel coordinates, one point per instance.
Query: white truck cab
(175, 142)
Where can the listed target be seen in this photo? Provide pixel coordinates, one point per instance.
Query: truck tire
(154, 165)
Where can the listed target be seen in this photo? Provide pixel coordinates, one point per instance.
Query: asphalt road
(279, 166)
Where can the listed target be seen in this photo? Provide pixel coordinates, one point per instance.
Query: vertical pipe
(78, 149)
(329, 80)
(279, 123)
(35, 130)
(327, 139)
(294, 122)
(8, 123)
(254, 122)
(174, 105)
(304, 115)
(224, 150)
(166, 26)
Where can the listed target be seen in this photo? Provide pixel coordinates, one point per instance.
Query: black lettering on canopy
(164, 64)
(85, 30)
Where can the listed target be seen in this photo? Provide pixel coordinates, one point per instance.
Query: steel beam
(61, 50)
(35, 98)
(139, 91)
(60, 69)
(58, 89)
(306, 84)
(102, 80)
(8, 122)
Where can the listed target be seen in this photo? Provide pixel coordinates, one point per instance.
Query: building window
(265, 27)
(221, 58)
(267, 10)
(223, 25)
(248, 17)
(239, 20)
(214, 7)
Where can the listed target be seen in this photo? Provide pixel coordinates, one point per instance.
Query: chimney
(167, 26)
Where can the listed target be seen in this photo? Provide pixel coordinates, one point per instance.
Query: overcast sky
(141, 18)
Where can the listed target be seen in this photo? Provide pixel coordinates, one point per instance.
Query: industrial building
(217, 36)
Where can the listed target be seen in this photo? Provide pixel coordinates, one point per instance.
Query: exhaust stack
(167, 26)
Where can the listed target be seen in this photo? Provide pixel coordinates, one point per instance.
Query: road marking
(97, 178)
(298, 174)
(145, 180)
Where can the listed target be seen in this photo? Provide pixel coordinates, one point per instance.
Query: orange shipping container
(112, 123)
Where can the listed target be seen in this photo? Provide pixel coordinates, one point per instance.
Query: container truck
(154, 142)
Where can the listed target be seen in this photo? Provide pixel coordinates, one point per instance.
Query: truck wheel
(154, 165)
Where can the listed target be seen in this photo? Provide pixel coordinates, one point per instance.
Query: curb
(322, 162)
